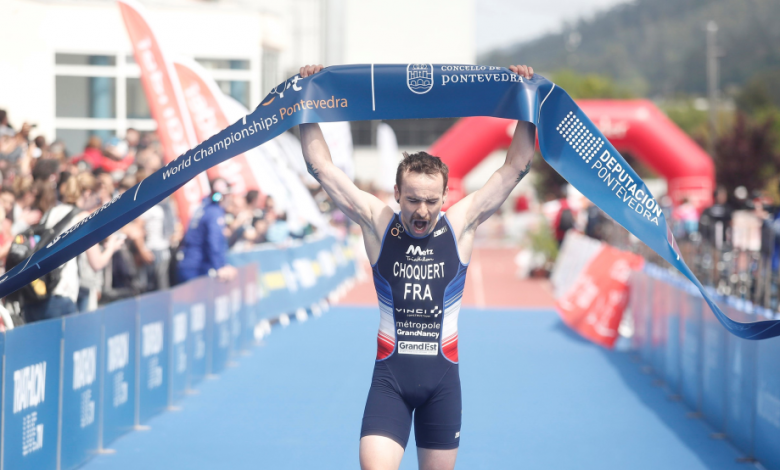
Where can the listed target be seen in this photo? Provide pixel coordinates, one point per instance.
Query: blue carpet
(535, 396)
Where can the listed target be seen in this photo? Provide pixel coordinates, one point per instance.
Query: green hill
(657, 47)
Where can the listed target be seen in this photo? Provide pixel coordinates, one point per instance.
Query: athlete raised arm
(366, 210)
(419, 259)
(468, 213)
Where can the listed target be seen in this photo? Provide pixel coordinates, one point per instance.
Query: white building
(68, 67)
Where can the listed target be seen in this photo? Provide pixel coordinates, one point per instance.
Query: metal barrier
(732, 383)
(72, 386)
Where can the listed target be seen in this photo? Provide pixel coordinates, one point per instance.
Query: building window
(409, 132)
(84, 59)
(85, 97)
(233, 77)
(137, 107)
(102, 95)
(238, 89)
(270, 70)
(224, 64)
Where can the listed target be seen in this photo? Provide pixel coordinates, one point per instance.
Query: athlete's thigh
(437, 422)
(380, 453)
(386, 414)
(436, 459)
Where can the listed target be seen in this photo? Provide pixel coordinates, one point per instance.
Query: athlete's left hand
(307, 70)
(525, 70)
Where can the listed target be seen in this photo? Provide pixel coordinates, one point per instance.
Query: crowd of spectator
(43, 187)
(732, 245)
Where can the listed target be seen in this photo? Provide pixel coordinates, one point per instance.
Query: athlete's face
(421, 197)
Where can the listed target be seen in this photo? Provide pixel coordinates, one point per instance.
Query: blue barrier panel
(326, 267)
(189, 335)
(279, 283)
(31, 389)
(81, 388)
(199, 337)
(119, 352)
(713, 370)
(221, 326)
(249, 312)
(343, 264)
(740, 385)
(647, 319)
(236, 313)
(183, 297)
(767, 424)
(153, 354)
(301, 258)
(638, 280)
(672, 359)
(658, 337)
(690, 359)
(297, 277)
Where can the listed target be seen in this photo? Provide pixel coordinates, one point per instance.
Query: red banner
(594, 305)
(203, 101)
(163, 93)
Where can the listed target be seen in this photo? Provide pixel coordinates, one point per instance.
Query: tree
(747, 154)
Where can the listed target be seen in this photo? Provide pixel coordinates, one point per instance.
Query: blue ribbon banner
(569, 142)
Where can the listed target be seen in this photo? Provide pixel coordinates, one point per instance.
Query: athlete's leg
(437, 424)
(387, 421)
(380, 453)
(436, 459)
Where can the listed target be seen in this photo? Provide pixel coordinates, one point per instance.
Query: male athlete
(419, 259)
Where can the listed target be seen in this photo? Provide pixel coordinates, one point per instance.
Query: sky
(501, 23)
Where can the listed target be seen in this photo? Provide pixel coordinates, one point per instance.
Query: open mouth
(419, 226)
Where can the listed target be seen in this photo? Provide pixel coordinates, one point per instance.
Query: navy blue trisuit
(419, 284)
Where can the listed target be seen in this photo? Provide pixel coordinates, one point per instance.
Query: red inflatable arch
(634, 126)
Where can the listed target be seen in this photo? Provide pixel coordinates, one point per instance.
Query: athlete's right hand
(307, 70)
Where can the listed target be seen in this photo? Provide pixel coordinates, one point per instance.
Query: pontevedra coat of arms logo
(419, 78)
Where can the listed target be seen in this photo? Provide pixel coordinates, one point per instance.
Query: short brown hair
(421, 162)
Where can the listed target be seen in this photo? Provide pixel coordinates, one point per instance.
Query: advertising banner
(637, 299)
(594, 305)
(236, 312)
(659, 334)
(222, 325)
(767, 425)
(248, 278)
(279, 283)
(202, 98)
(740, 386)
(326, 267)
(690, 359)
(576, 252)
(154, 312)
(119, 369)
(81, 397)
(345, 268)
(199, 291)
(672, 358)
(31, 381)
(302, 261)
(713, 371)
(646, 309)
(183, 297)
(166, 103)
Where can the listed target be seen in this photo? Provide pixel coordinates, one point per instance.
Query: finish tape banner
(569, 142)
